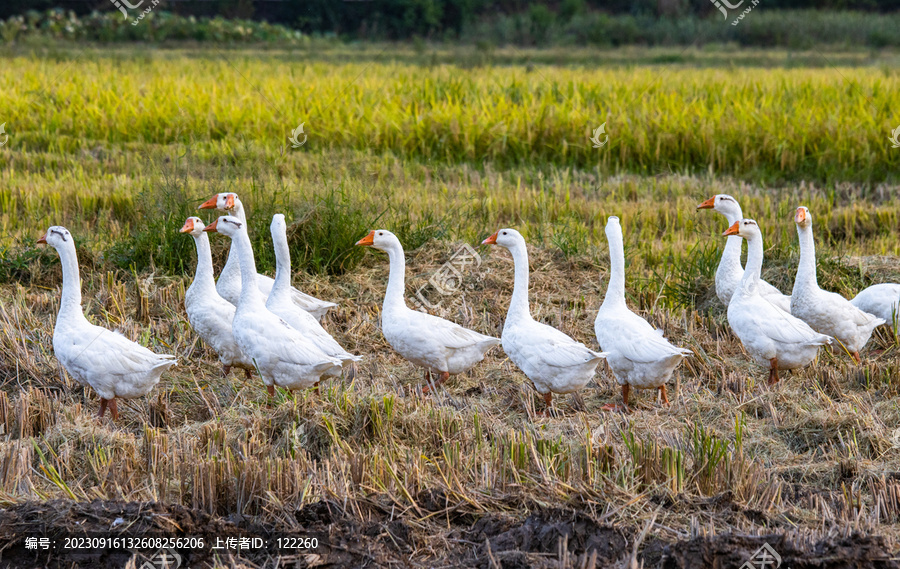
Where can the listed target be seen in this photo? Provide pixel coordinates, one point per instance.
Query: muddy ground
(445, 537)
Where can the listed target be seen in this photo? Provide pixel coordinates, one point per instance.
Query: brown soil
(550, 538)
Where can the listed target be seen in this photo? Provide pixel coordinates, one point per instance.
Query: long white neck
(731, 256)
(750, 280)
(70, 303)
(232, 264)
(203, 276)
(518, 304)
(250, 295)
(806, 270)
(396, 286)
(615, 291)
(282, 284)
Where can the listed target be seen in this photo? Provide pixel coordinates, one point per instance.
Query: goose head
(227, 201)
(226, 225)
(802, 217)
(506, 237)
(612, 224)
(380, 239)
(58, 237)
(724, 204)
(278, 225)
(746, 228)
(194, 226)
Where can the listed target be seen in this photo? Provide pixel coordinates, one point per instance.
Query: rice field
(121, 145)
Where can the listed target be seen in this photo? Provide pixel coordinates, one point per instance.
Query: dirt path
(383, 540)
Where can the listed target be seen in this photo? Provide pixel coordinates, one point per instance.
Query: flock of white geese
(259, 324)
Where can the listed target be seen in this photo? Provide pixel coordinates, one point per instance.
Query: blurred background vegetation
(786, 23)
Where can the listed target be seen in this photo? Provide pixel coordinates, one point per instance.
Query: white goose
(827, 312)
(730, 272)
(773, 337)
(637, 353)
(438, 345)
(211, 315)
(882, 300)
(229, 283)
(107, 361)
(282, 355)
(281, 304)
(553, 361)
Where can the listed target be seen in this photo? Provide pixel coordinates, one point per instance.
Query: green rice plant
(154, 242)
(764, 124)
(710, 459)
(654, 463)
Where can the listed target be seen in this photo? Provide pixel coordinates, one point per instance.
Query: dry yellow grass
(730, 454)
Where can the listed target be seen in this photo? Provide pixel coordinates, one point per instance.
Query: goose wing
(556, 349)
(776, 324)
(635, 339)
(103, 352)
(451, 334)
(283, 343)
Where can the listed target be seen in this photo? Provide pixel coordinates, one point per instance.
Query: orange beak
(211, 227)
(43, 238)
(210, 203)
(733, 230)
(708, 204)
(492, 240)
(188, 226)
(368, 240)
(800, 216)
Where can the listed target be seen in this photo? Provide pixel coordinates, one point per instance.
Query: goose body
(211, 315)
(774, 338)
(729, 273)
(281, 354)
(229, 283)
(114, 366)
(281, 304)
(637, 353)
(554, 362)
(881, 300)
(438, 345)
(826, 312)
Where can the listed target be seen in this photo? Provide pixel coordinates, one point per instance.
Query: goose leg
(773, 371)
(857, 358)
(440, 380)
(247, 374)
(548, 402)
(271, 390)
(665, 396)
(103, 404)
(113, 408)
(316, 388)
(626, 389)
(226, 369)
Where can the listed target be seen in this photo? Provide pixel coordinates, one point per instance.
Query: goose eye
(504, 233)
(380, 233)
